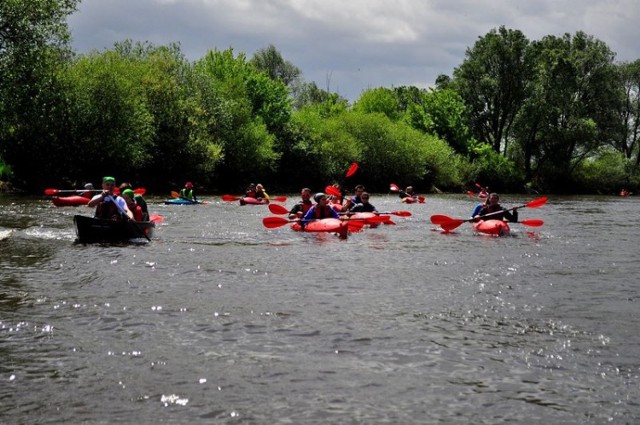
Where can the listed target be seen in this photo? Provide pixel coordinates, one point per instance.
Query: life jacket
(250, 194)
(108, 210)
(305, 205)
(323, 212)
(186, 193)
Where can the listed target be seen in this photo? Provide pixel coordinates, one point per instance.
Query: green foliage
(273, 64)
(605, 173)
(493, 169)
(378, 100)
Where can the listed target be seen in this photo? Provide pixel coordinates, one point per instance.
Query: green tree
(275, 66)
(569, 112)
(492, 82)
(33, 49)
(627, 140)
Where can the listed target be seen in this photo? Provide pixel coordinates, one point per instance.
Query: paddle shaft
(124, 214)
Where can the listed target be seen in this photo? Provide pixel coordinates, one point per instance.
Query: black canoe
(90, 230)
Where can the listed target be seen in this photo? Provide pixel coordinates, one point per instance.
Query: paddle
(232, 198)
(53, 192)
(129, 219)
(332, 190)
(156, 218)
(450, 223)
(176, 195)
(352, 170)
(273, 222)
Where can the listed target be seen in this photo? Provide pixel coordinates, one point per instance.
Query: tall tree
(492, 81)
(33, 48)
(628, 139)
(569, 113)
(271, 61)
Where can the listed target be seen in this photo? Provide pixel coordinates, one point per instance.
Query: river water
(220, 320)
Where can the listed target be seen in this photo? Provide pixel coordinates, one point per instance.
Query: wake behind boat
(95, 230)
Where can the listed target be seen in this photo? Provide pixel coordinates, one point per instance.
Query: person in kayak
(355, 199)
(478, 207)
(301, 208)
(136, 209)
(139, 200)
(88, 189)
(320, 210)
(108, 205)
(408, 193)
(187, 192)
(251, 191)
(493, 206)
(364, 205)
(260, 192)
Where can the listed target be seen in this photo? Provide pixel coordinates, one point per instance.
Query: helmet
(88, 186)
(188, 184)
(318, 196)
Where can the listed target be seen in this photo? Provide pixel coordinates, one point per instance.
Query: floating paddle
(352, 170)
(450, 223)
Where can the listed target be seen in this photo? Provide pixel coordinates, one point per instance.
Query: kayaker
(493, 206)
(187, 192)
(408, 193)
(478, 207)
(364, 206)
(108, 205)
(136, 209)
(251, 191)
(260, 192)
(88, 190)
(139, 200)
(320, 210)
(355, 199)
(301, 208)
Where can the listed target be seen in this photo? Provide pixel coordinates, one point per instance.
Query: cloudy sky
(350, 45)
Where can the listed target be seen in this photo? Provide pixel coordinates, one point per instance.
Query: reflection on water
(221, 320)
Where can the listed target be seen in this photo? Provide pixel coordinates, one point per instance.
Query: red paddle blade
(50, 192)
(394, 187)
(331, 190)
(390, 222)
(355, 226)
(352, 169)
(277, 209)
(140, 191)
(228, 198)
(421, 199)
(536, 203)
(278, 199)
(479, 186)
(532, 222)
(156, 218)
(273, 222)
(439, 219)
(401, 213)
(470, 193)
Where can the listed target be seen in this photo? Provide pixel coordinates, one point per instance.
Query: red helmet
(188, 184)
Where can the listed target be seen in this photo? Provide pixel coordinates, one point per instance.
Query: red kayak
(253, 201)
(413, 199)
(69, 201)
(327, 225)
(492, 227)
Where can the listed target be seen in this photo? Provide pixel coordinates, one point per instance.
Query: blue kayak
(181, 201)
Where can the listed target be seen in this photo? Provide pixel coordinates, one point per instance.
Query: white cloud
(351, 45)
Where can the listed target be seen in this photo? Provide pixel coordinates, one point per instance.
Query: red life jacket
(108, 211)
(323, 212)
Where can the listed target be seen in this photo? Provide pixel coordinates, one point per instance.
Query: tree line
(552, 115)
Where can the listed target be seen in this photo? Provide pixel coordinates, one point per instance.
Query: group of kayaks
(90, 229)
